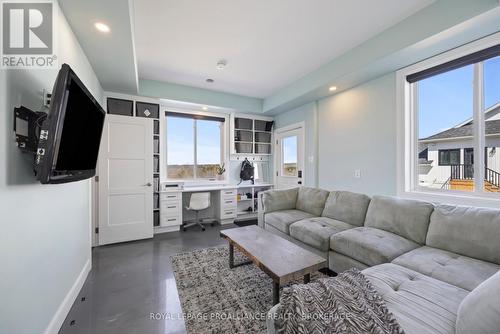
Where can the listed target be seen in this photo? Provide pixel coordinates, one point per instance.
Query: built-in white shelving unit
(251, 135)
(247, 206)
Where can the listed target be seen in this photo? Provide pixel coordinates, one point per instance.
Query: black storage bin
(262, 148)
(148, 110)
(243, 123)
(120, 107)
(263, 137)
(263, 125)
(243, 148)
(156, 218)
(243, 135)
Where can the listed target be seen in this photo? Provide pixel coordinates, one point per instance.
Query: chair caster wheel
(203, 229)
(212, 224)
(184, 229)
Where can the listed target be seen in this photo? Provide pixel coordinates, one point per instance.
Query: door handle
(148, 184)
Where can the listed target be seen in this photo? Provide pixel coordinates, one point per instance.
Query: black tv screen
(69, 147)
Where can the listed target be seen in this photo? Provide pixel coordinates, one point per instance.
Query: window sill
(453, 197)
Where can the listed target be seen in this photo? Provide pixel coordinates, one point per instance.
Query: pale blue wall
(45, 240)
(357, 130)
(422, 35)
(307, 114)
(166, 90)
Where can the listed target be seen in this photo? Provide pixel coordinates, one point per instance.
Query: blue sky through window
(290, 150)
(208, 142)
(180, 139)
(446, 100)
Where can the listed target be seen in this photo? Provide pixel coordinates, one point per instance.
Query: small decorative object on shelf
(221, 169)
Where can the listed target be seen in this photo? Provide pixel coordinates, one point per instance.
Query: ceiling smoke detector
(221, 64)
(209, 80)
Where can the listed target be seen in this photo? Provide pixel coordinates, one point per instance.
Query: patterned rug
(216, 299)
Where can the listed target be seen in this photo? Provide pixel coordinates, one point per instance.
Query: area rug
(216, 299)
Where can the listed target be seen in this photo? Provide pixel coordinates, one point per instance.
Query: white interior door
(125, 179)
(289, 157)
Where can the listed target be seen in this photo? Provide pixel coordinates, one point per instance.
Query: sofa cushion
(404, 217)
(316, 231)
(311, 200)
(275, 200)
(479, 312)
(462, 271)
(473, 232)
(370, 246)
(340, 263)
(347, 207)
(420, 304)
(281, 220)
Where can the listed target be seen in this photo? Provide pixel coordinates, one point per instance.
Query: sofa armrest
(275, 200)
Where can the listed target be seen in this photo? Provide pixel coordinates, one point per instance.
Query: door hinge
(276, 173)
(97, 178)
(97, 230)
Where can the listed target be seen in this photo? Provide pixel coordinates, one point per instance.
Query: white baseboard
(166, 229)
(63, 309)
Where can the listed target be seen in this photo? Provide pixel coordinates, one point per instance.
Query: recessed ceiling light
(102, 27)
(332, 88)
(209, 80)
(205, 108)
(221, 64)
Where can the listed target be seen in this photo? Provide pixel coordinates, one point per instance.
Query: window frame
(164, 145)
(407, 131)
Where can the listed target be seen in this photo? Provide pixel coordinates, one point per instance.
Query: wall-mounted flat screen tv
(70, 136)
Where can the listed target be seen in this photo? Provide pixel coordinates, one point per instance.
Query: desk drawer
(173, 196)
(227, 213)
(228, 192)
(171, 208)
(229, 202)
(170, 221)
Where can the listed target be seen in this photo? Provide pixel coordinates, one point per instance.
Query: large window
(194, 146)
(451, 110)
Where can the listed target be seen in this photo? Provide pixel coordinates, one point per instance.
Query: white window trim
(407, 125)
(163, 146)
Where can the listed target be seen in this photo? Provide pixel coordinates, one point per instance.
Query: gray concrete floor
(130, 280)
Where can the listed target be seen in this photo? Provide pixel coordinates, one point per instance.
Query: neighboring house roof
(488, 113)
(492, 127)
(464, 129)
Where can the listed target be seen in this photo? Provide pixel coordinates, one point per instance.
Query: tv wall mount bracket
(27, 128)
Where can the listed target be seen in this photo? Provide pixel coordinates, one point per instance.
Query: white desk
(226, 203)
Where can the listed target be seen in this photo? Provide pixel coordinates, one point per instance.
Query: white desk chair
(198, 202)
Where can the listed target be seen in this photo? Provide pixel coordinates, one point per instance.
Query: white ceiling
(111, 55)
(268, 43)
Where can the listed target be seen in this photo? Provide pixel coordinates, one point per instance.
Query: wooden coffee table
(279, 258)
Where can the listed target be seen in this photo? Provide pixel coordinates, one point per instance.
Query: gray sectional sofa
(436, 266)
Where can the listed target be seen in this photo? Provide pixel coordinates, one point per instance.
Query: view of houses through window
(194, 147)
(446, 128)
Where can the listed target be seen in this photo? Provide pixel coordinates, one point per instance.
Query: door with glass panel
(289, 157)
